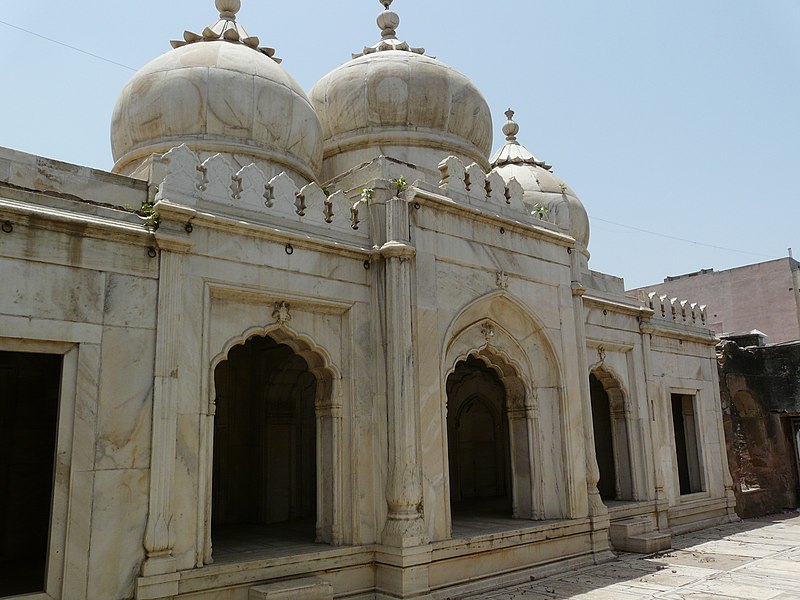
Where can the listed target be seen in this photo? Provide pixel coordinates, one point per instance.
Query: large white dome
(394, 100)
(218, 92)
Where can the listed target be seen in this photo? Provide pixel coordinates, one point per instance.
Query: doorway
(478, 441)
(264, 486)
(29, 393)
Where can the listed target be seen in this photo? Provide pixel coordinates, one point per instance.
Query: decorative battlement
(478, 187)
(182, 178)
(672, 309)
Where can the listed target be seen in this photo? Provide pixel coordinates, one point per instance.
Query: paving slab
(756, 559)
(705, 560)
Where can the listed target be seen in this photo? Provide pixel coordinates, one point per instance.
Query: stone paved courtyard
(756, 559)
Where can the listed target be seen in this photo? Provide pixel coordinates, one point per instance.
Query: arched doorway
(478, 441)
(264, 482)
(610, 437)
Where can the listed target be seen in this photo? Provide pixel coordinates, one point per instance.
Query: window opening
(29, 393)
(684, 422)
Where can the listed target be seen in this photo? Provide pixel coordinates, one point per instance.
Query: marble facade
(379, 283)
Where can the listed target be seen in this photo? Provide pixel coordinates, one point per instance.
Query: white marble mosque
(327, 345)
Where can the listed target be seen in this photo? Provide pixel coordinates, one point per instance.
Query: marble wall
(381, 316)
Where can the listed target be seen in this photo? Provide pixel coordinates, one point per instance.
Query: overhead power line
(680, 239)
(86, 52)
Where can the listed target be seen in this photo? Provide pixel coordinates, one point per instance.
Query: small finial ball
(386, 3)
(510, 128)
(388, 20)
(229, 6)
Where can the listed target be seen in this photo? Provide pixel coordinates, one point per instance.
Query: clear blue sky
(679, 118)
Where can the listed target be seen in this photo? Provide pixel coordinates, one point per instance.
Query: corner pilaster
(404, 526)
(173, 244)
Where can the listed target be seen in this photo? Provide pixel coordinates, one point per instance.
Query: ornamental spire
(388, 22)
(512, 152)
(510, 128)
(226, 29)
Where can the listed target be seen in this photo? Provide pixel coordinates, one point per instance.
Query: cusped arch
(519, 390)
(328, 406)
(504, 335)
(316, 357)
(506, 313)
(612, 384)
(618, 479)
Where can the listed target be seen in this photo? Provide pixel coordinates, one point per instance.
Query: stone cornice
(274, 233)
(675, 331)
(619, 307)
(64, 221)
(445, 203)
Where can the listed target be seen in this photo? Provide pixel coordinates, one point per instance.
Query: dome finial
(511, 129)
(388, 21)
(228, 8)
(227, 28)
(512, 152)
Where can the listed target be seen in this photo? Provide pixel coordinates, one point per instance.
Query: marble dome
(410, 106)
(218, 93)
(540, 185)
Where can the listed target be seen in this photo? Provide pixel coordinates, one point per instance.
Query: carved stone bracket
(502, 280)
(281, 314)
(487, 330)
(578, 289)
(401, 250)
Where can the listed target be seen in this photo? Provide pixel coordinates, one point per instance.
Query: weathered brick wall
(760, 393)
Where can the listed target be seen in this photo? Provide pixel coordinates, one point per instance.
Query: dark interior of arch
(264, 477)
(478, 444)
(603, 439)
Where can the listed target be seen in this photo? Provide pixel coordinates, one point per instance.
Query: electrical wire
(680, 239)
(87, 53)
(631, 227)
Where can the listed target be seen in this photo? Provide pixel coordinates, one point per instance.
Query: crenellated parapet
(481, 189)
(182, 178)
(678, 311)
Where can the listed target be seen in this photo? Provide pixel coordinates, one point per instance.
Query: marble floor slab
(757, 559)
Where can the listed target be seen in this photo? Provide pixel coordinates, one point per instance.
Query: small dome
(392, 99)
(218, 92)
(541, 187)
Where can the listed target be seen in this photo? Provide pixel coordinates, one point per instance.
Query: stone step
(647, 543)
(307, 588)
(629, 527)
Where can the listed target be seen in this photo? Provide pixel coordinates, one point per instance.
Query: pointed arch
(612, 383)
(527, 366)
(510, 314)
(323, 380)
(520, 393)
(318, 358)
(478, 439)
(612, 436)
